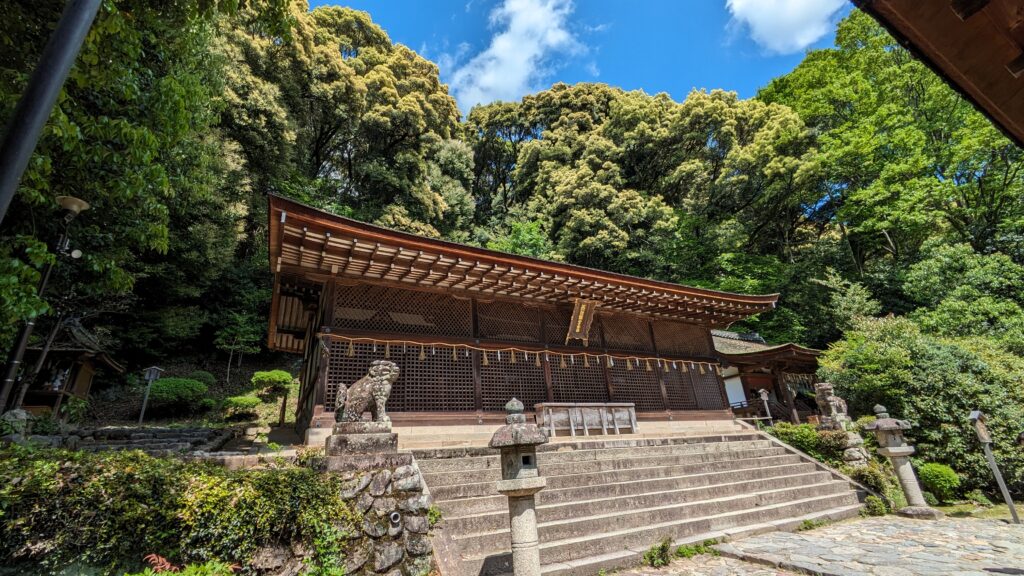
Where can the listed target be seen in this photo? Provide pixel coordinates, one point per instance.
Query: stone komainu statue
(368, 393)
(832, 407)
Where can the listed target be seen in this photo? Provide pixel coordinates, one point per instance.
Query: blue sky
(503, 49)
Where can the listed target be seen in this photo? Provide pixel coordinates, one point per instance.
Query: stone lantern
(518, 441)
(891, 443)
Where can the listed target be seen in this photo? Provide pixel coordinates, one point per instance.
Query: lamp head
(73, 206)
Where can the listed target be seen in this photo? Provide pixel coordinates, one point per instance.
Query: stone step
(495, 520)
(579, 549)
(495, 501)
(635, 519)
(476, 489)
(628, 558)
(625, 462)
(565, 445)
(491, 461)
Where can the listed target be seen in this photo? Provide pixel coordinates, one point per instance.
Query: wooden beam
(964, 9)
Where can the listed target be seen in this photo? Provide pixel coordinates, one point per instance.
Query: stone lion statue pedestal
(357, 444)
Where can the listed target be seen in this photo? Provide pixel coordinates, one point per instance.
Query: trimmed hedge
(204, 377)
(177, 394)
(241, 404)
(110, 509)
(278, 380)
(939, 479)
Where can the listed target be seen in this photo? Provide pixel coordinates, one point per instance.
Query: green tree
(935, 383)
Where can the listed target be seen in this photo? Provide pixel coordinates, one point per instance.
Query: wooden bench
(580, 418)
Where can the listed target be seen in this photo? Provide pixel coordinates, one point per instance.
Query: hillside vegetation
(887, 212)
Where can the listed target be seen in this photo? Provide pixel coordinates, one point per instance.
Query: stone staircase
(609, 500)
(156, 441)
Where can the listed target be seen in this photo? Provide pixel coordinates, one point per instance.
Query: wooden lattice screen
(627, 332)
(681, 338)
(679, 389)
(576, 382)
(708, 390)
(501, 381)
(637, 385)
(440, 382)
(380, 309)
(508, 321)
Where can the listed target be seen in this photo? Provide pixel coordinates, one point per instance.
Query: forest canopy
(858, 185)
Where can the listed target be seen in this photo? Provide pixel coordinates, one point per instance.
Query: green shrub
(212, 568)
(940, 480)
(206, 404)
(245, 404)
(109, 509)
(434, 516)
(658, 555)
(979, 498)
(277, 380)
(177, 394)
(934, 383)
(874, 476)
(45, 425)
(691, 550)
(875, 506)
(811, 524)
(930, 499)
(204, 377)
(73, 409)
(825, 446)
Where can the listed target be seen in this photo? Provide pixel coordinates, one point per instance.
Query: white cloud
(784, 26)
(529, 36)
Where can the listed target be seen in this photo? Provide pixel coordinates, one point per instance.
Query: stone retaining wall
(152, 440)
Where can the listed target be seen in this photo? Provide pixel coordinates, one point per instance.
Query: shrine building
(470, 328)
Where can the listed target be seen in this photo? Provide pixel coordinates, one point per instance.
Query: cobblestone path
(708, 566)
(890, 546)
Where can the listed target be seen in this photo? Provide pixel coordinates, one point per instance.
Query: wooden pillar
(660, 370)
(547, 375)
(608, 382)
(544, 355)
(787, 395)
(478, 389)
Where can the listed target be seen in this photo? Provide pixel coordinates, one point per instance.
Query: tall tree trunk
(231, 356)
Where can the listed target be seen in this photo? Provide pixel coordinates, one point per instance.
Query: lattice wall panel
(382, 309)
(637, 385)
(707, 389)
(577, 383)
(508, 321)
(626, 332)
(557, 326)
(438, 383)
(501, 381)
(681, 338)
(679, 390)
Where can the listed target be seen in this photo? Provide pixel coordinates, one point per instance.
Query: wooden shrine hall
(470, 328)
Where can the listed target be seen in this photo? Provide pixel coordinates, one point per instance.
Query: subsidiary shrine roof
(308, 245)
(976, 46)
(751, 350)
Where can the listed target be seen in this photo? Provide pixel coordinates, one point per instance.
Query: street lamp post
(977, 418)
(150, 374)
(36, 103)
(72, 207)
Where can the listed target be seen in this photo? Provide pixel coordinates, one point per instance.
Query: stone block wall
(395, 531)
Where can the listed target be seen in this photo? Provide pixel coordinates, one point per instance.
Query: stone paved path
(890, 546)
(708, 566)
